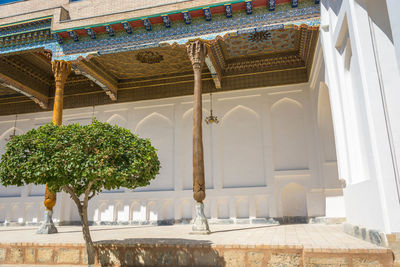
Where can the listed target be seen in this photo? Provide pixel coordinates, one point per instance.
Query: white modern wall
(271, 155)
(362, 77)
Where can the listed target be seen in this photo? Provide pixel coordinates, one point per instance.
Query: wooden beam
(215, 70)
(21, 82)
(98, 76)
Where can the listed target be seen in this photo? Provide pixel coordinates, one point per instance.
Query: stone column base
(48, 226)
(200, 223)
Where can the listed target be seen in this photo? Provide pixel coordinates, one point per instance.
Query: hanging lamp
(211, 119)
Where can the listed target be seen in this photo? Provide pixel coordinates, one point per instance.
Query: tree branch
(92, 195)
(87, 192)
(71, 192)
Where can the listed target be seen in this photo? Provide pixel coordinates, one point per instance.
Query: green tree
(81, 161)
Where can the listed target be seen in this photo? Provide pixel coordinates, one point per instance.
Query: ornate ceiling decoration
(262, 58)
(149, 57)
(135, 65)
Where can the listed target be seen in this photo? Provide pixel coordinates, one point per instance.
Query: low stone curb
(188, 254)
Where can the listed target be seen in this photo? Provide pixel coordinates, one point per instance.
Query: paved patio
(227, 245)
(307, 235)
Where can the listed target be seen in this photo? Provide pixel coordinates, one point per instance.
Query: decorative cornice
(25, 32)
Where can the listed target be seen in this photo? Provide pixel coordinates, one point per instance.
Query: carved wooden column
(61, 70)
(197, 51)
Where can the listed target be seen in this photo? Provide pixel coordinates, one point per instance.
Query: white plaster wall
(362, 77)
(260, 158)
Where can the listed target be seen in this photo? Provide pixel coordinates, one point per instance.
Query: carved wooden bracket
(98, 76)
(213, 67)
(23, 83)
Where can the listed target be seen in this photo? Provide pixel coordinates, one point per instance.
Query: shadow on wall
(157, 252)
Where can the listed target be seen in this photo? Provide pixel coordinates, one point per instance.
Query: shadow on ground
(158, 252)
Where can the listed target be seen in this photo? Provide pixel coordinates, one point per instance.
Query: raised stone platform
(227, 245)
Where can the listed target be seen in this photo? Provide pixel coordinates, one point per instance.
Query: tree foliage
(106, 156)
(80, 160)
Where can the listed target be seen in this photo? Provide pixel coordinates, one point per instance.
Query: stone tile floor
(311, 236)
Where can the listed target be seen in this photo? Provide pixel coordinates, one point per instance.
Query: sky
(8, 1)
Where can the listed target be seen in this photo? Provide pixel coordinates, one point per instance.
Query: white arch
(286, 100)
(238, 108)
(132, 207)
(189, 111)
(9, 131)
(241, 148)
(289, 136)
(153, 115)
(151, 211)
(115, 118)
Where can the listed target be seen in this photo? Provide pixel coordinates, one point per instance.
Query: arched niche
(138, 212)
(294, 201)
(167, 212)
(152, 211)
(242, 208)
(288, 133)
(106, 212)
(16, 213)
(118, 120)
(121, 212)
(242, 148)
(325, 124)
(187, 150)
(30, 212)
(158, 129)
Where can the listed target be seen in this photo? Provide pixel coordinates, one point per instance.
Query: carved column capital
(197, 52)
(61, 70)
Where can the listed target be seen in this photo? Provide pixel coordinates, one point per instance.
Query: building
(305, 94)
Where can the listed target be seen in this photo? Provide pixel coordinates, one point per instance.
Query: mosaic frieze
(25, 27)
(181, 31)
(116, 41)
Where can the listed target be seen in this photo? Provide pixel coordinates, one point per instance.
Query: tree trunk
(91, 251)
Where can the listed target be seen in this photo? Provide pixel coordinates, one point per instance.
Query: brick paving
(302, 245)
(311, 236)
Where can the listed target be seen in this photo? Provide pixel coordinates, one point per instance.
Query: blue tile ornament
(271, 5)
(249, 7)
(186, 17)
(295, 3)
(109, 30)
(207, 13)
(228, 10)
(147, 24)
(166, 20)
(73, 35)
(91, 33)
(57, 38)
(127, 27)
